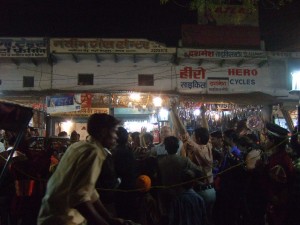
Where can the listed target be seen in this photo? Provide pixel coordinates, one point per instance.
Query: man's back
(72, 182)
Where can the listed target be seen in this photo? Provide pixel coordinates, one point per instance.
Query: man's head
(171, 144)
(276, 136)
(230, 137)
(201, 135)
(216, 138)
(147, 139)
(103, 128)
(122, 136)
(135, 138)
(165, 131)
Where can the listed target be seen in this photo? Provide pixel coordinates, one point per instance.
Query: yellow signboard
(84, 112)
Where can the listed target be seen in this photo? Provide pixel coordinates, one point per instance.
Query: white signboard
(192, 79)
(219, 54)
(84, 112)
(283, 55)
(66, 103)
(107, 46)
(204, 79)
(23, 47)
(217, 85)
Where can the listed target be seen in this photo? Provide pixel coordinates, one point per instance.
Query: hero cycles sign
(236, 76)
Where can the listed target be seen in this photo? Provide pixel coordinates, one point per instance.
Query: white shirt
(161, 150)
(2, 148)
(72, 183)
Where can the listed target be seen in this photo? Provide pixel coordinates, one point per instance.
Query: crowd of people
(231, 177)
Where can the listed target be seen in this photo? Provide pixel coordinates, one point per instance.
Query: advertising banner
(66, 103)
(84, 112)
(23, 47)
(217, 85)
(193, 53)
(192, 79)
(221, 80)
(86, 100)
(283, 55)
(228, 14)
(107, 46)
(195, 35)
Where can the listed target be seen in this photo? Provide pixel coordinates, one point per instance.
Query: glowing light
(296, 81)
(157, 101)
(196, 112)
(135, 97)
(67, 126)
(163, 115)
(132, 126)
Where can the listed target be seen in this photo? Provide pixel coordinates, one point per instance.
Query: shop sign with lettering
(23, 47)
(108, 46)
(228, 14)
(217, 85)
(84, 112)
(192, 78)
(219, 54)
(195, 79)
(283, 55)
(65, 103)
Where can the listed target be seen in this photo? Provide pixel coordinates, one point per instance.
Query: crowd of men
(231, 177)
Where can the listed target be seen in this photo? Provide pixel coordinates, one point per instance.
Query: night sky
(128, 19)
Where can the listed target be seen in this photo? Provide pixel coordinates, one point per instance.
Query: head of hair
(135, 134)
(278, 135)
(97, 122)
(74, 136)
(148, 138)
(246, 142)
(171, 144)
(122, 136)
(241, 125)
(62, 134)
(231, 134)
(202, 134)
(216, 134)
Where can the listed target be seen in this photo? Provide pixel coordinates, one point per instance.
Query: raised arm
(176, 120)
(204, 122)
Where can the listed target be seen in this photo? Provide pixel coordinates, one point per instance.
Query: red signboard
(195, 35)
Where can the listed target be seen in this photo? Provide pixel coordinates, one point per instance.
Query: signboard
(85, 112)
(192, 78)
(217, 85)
(66, 103)
(23, 47)
(205, 79)
(107, 46)
(283, 55)
(220, 54)
(228, 14)
(220, 36)
(86, 100)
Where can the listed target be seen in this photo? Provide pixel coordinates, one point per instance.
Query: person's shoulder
(158, 146)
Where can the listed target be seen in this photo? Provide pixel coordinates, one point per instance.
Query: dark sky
(94, 18)
(127, 19)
